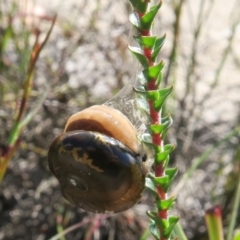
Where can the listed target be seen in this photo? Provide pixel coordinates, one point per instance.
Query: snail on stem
(97, 162)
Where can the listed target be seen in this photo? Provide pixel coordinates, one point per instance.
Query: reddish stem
(155, 119)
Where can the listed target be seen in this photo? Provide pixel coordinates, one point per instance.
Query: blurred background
(86, 61)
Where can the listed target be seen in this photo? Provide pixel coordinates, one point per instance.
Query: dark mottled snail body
(96, 161)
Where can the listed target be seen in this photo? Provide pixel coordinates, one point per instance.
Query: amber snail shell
(97, 162)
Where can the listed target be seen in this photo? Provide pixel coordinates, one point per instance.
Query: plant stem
(142, 18)
(18, 125)
(236, 207)
(156, 138)
(213, 219)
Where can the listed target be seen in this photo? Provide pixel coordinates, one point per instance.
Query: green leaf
(159, 79)
(166, 161)
(167, 120)
(134, 19)
(161, 157)
(143, 107)
(172, 220)
(154, 230)
(139, 5)
(171, 172)
(152, 215)
(161, 181)
(157, 128)
(141, 79)
(146, 41)
(157, 47)
(150, 185)
(178, 232)
(162, 223)
(146, 139)
(137, 52)
(147, 19)
(161, 128)
(140, 89)
(152, 73)
(166, 224)
(165, 204)
(153, 95)
(169, 148)
(158, 97)
(163, 93)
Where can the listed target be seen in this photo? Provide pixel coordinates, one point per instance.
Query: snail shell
(96, 161)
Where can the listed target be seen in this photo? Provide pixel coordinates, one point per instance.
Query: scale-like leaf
(151, 73)
(140, 6)
(153, 95)
(157, 46)
(165, 204)
(146, 41)
(166, 150)
(171, 172)
(134, 19)
(150, 185)
(137, 52)
(163, 93)
(154, 230)
(147, 19)
(172, 220)
(161, 181)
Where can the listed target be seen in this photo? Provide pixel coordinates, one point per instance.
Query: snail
(97, 161)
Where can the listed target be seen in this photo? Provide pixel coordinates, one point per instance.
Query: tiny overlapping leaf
(154, 230)
(157, 128)
(146, 41)
(147, 19)
(171, 172)
(149, 183)
(163, 93)
(165, 224)
(161, 157)
(143, 107)
(172, 220)
(160, 128)
(140, 89)
(152, 73)
(167, 120)
(153, 95)
(140, 6)
(146, 139)
(161, 181)
(166, 150)
(157, 46)
(165, 204)
(152, 215)
(137, 52)
(134, 19)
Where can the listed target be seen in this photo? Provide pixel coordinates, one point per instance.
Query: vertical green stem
(14, 139)
(150, 45)
(235, 209)
(213, 219)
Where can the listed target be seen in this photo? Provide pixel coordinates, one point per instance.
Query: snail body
(96, 161)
